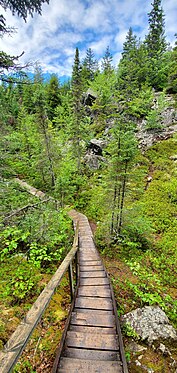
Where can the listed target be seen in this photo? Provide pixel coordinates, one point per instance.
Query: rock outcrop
(151, 324)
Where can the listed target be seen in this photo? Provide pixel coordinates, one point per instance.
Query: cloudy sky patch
(52, 38)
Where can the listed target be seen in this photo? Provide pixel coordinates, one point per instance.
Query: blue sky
(51, 39)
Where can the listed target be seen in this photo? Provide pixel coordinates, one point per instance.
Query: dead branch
(16, 212)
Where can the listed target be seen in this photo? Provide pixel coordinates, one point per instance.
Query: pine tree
(172, 77)
(107, 62)
(52, 96)
(130, 44)
(123, 150)
(21, 8)
(156, 46)
(155, 40)
(76, 88)
(90, 65)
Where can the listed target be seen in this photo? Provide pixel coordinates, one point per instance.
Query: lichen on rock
(151, 324)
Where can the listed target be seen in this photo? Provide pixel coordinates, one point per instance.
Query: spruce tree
(52, 96)
(90, 65)
(76, 88)
(130, 44)
(155, 40)
(172, 77)
(107, 62)
(21, 8)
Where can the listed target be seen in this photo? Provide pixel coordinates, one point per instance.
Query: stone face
(136, 348)
(94, 156)
(151, 324)
(89, 97)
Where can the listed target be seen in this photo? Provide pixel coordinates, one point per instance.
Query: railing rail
(16, 344)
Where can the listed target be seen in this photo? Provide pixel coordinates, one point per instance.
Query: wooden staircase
(93, 341)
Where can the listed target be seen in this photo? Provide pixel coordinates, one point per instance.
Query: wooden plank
(88, 255)
(94, 303)
(93, 312)
(93, 319)
(91, 268)
(83, 340)
(92, 329)
(94, 281)
(94, 291)
(90, 262)
(95, 274)
(82, 366)
(81, 353)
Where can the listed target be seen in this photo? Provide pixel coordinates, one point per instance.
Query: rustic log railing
(16, 344)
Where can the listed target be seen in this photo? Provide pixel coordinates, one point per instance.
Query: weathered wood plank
(90, 263)
(81, 353)
(94, 312)
(94, 281)
(94, 303)
(88, 256)
(81, 366)
(91, 268)
(92, 329)
(94, 291)
(95, 274)
(93, 319)
(83, 340)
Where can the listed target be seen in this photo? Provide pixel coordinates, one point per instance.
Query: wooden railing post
(71, 281)
(77, 266)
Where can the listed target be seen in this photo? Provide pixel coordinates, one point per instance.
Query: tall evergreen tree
(52, 96)
(172, 77)
(155, 40)
(22, 8)
(90, 65)
(76, 88)
(107, 62)
(130, 44)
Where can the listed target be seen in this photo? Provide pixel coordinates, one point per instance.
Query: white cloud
(65, 24)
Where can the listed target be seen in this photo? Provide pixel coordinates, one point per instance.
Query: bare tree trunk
(113, 207)
(122, 198)
(48, 152)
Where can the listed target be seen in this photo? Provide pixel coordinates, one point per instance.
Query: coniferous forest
(104, 143)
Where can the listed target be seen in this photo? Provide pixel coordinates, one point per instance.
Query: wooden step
(91, 268)
(88, 263)
(94, 281)
(90, 341)
(82, 366)
(95, 274)
(94, 303)
(94, 291)
(92, 329)
(93, 319)
(81, 353)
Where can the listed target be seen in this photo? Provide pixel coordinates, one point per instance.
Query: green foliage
(172, 77)
(107, 67)
(23, 283)
(130, 332)
(19, 279)
(11, 238)
(52, 96)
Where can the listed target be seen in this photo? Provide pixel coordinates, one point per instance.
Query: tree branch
(16, 212)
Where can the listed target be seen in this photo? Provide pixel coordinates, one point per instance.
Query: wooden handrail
(16, 344)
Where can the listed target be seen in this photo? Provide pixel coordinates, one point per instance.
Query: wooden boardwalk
(93, 341)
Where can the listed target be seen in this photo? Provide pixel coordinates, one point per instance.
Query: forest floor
(39, 354)
(150, 359)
